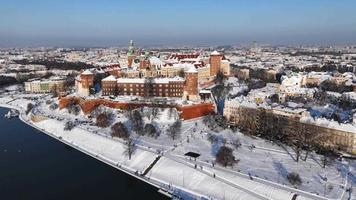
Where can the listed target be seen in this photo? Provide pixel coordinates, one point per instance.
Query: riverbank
(169, 174)
(172, 172)
(122, 168)
(165, 188)
(43, 168)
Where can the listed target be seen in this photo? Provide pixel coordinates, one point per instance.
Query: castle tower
(86, 81)
(191, 87)
(215, 63)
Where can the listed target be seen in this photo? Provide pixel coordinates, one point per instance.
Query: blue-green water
(36, 166)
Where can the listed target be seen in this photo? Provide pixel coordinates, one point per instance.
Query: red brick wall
(187, 112)
(195, 111)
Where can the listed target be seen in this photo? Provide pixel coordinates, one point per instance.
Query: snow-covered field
(260, 173)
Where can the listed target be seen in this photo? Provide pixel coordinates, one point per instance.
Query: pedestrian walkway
(151, 165)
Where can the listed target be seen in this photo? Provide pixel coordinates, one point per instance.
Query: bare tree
(225, 156)
(151, 130)
(175, 129)
(209, 121)
(305, 138)
(220, 78)
(328, 157)
(296, 138)
(148, 87)
(130, 147)
(219, 93)
(137, 122)
(170, 112)
(151, 113)
(120, 130)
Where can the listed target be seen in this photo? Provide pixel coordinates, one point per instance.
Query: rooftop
(215, 53)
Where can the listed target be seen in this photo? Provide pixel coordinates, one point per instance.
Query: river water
(36, 166)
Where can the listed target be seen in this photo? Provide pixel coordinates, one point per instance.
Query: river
(36, 166)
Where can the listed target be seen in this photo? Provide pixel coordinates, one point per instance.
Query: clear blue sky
(172, 22)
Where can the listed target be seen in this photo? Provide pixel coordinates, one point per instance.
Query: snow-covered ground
(260, 173)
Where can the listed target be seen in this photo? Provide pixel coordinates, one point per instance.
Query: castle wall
(186, 112)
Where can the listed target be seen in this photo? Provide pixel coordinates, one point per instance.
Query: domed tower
(191, 84)
(215, 63)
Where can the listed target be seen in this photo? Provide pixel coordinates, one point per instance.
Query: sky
(70, 23)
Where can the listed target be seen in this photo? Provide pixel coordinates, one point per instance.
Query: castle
(178, 75)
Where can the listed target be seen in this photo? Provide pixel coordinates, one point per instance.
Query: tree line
(55, 64)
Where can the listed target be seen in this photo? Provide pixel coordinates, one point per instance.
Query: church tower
(130, 54)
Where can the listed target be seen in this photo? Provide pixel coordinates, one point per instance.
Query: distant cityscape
(259, 121)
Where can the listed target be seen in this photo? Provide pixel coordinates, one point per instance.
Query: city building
(109, 86)
(247, 117)
(55, 84)
(151, 87)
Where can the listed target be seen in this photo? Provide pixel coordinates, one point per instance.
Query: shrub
(103, 120)
(74, 109)
(236, 143)
(29, 108)
(69, 125)
(175, 129)
(294, 179)
(53, 106)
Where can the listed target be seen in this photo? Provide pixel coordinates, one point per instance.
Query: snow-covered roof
(205, 91)
(329, 124)
(155, 61)
(192, 69)
(215, 53)
(87, 72)
(109, 78)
